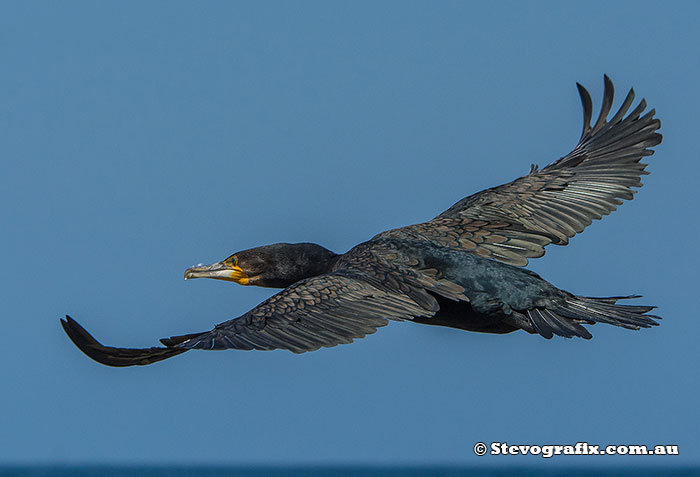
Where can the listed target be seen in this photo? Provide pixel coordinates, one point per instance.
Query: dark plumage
(460, 269)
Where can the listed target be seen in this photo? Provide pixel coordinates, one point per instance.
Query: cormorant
(460, 269)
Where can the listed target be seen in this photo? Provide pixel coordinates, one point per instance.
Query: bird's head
(275, 266)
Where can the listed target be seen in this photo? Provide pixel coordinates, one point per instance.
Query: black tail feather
(565, 320)
(548, 323)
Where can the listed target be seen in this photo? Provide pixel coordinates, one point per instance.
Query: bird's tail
(566, 319)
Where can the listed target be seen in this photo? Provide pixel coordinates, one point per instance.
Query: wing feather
(356, 310)
(110, 356)
(553, 204)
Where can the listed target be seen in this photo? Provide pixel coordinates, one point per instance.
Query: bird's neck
(312, 262)
(298, 263)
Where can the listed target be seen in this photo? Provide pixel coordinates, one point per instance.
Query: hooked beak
(221, 271)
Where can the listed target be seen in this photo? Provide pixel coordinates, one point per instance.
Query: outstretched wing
(323, 311)
(515, 221)
(370, 286)
(110, 356)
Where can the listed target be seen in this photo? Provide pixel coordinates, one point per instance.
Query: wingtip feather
(587, 103)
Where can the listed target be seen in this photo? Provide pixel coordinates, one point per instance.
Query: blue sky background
(139, 138)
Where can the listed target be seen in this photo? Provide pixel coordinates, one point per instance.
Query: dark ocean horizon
(332, 471)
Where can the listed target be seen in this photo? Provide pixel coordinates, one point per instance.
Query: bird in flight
(462, 269)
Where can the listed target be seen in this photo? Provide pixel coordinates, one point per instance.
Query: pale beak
(219, 271)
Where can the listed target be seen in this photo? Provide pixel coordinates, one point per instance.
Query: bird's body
(462, 269)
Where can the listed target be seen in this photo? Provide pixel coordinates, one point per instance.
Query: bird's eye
(234, 261)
